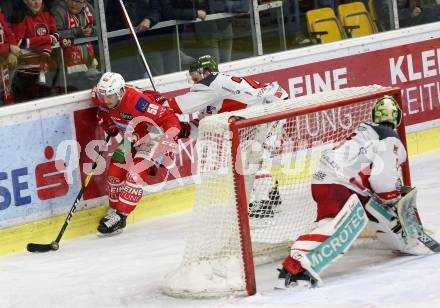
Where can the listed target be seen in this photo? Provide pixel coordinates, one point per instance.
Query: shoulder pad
(383, 131)
(208, 79)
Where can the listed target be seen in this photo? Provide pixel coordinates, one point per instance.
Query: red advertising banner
(415, 68)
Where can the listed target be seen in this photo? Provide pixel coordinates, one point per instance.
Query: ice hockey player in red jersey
(369, 158)
(138, 117)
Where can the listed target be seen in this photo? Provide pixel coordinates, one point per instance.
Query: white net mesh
(278, 159)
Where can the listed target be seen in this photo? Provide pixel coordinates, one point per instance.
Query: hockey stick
(32, 247)
(422, 236)
(133, 33)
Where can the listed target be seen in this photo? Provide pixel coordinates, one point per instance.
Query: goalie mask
(111, 88)
(387, 110)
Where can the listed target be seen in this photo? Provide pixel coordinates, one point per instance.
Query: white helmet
(110, 84)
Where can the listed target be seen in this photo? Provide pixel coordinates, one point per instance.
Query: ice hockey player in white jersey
(369, 158)
(215, 92)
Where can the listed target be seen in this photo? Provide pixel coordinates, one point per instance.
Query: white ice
(126, 270)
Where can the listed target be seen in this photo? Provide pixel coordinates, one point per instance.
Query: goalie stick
(411, 223)
(32, 247)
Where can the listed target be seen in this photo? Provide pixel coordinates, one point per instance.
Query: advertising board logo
(49, 178)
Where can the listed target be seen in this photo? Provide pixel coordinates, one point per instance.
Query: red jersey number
(254, 84)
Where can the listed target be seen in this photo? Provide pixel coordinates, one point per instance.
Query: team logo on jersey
(141, 105)
(152, 109)
(126, 116)
(41, 30)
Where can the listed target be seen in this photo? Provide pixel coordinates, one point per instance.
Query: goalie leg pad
(412, 225)
(407, 212)
(390, 228)
(331, 239)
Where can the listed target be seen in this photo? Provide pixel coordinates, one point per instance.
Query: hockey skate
(288, 280)
(113, 223)
(265, 208)
(109, 211)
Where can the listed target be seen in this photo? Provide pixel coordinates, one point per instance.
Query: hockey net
(227, 235)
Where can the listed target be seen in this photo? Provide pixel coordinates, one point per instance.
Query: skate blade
(282, 286)
(119, 231)
(303, 284)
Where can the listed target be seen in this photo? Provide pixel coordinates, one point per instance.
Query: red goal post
(224, 238)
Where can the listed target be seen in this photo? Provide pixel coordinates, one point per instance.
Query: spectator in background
(411, 12)
(143, 14)
(36, 32)
(296, 22)
(9, 51)
(7, 7)
(176, 10)
(159, 45)
(75, 19)
(216, 36)
(181, 10)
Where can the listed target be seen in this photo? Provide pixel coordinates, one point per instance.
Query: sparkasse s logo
(50, 181)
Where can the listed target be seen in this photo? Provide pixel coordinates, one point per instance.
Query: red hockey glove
(112, 130)
(107, 125)
(185, 130)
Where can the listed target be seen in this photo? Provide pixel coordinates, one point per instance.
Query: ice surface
(126, 270)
